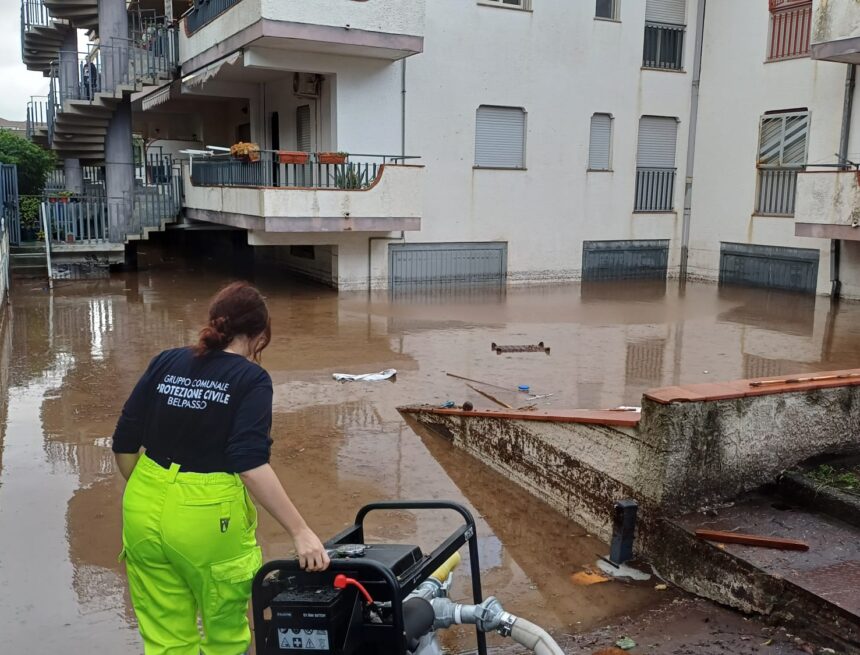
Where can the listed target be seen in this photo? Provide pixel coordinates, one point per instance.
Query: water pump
(380, 599)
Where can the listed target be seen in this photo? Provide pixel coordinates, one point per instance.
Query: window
(600, 143)
(513, 4)
(781, 154)
(606, 9)
(500, 136)
(655, 164)
(665, 24)
(790, 24)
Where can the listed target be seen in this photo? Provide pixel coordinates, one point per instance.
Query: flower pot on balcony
(293, 157)
(248, 152)
(70, 238)
(331, 157)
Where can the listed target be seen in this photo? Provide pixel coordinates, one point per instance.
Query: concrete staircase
(83, 14)
(28, 261)
(41, 40)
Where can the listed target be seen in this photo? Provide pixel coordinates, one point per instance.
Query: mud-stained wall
(835, 19)
(715, 450)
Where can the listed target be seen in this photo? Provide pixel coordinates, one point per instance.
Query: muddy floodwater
(69, 359)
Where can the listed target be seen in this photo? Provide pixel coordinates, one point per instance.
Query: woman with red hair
(202, 417)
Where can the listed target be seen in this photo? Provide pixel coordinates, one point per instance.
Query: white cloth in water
(387, 374)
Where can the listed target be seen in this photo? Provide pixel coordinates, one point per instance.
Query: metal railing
(359, 172)
(205, 11)
(664, 46)
(158, 196)
(777, 188)
(34, 14)
(93, 180)
(10, 216)
(655, 189)
(37, 115)
(75, 219)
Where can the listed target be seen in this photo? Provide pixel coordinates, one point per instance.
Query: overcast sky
(17, 84)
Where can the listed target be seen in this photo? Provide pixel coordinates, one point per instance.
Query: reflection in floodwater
(70, 358)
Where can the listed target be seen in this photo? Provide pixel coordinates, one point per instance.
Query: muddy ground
(69, 359)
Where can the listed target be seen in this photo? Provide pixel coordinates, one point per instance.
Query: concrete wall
(828, 198)
(561, 65)
(4, 273)
(833, 20)
(390, 16)
(738, 87)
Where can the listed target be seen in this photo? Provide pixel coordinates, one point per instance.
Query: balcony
(368, 194)
(383, 29)
(835, 30)
(655, 190)
(664, 46)
(828, 204)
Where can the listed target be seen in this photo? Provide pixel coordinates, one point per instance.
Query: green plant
(29, 208)
(831, 477)
(351, 177)
(33, 162)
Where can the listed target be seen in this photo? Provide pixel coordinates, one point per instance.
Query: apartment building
(488, 141)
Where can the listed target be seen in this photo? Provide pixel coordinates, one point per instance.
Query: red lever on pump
(342, 582)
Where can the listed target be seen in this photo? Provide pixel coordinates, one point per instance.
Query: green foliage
(34, 163)
(351, 176)
(29, 206)
(831, 477)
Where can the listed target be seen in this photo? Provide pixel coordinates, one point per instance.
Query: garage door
(773, 267)
(641, 259)
(413, 264)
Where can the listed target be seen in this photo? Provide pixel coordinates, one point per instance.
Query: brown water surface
(69, 359)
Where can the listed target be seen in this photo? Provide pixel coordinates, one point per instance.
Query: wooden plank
(751, 540)
(488, 396)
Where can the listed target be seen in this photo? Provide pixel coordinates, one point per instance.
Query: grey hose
(535, 638)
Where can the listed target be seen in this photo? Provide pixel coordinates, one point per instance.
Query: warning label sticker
(291, 639)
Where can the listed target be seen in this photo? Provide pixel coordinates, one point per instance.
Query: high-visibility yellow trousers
(190, 550)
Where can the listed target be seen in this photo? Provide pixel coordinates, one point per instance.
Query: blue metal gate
(10, 217)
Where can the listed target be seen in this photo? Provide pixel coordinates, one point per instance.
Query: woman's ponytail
(238, 309)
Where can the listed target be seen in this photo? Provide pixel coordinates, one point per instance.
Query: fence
(205, 11)
(223, 170)
(664, 46)
(10, 216)
(76, 219)
(655, 189)
(777, 188)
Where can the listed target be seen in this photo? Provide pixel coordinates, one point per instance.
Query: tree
(33, 162)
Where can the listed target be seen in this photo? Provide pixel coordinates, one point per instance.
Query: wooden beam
(751, 540)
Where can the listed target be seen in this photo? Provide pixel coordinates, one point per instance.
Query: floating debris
(387, 374)
(539, 348)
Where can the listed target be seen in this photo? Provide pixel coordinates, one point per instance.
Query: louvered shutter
(600, 142)
(782, 140)
(666, 11)
(303, 128)
(657, 142)
(500, 137)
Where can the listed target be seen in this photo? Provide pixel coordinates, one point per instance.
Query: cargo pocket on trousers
(231, 582)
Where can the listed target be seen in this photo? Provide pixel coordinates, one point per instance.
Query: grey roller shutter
(303, 128)
(500, 137)
(657, 141)
(666, 11)
(600, 143)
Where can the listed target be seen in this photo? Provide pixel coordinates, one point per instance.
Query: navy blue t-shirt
(208, 414)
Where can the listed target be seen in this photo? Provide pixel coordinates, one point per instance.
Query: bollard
(623, 531)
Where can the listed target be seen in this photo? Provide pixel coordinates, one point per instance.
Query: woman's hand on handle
(264, 485)
(312, 554)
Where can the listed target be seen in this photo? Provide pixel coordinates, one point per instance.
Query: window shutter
(782, 139)
(657, 142)
(303, 128)
(500, 137)
(666, 11)
(600, 144)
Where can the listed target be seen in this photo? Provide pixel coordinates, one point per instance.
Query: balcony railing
(205, 11)
(664, 46)
(777, 189)
(34, 14)
(655, 189)
(75, 219)
(223, 170)
(37, 115)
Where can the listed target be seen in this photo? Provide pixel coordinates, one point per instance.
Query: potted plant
(293, 157)
(245, 151)
(332, 157)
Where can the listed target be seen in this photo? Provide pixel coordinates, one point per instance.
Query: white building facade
(521, 141)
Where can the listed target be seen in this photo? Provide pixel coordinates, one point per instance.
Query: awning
(157, 97)
(200, 77)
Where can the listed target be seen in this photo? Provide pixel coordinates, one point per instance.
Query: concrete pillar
(71, 87)
(119, 159)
